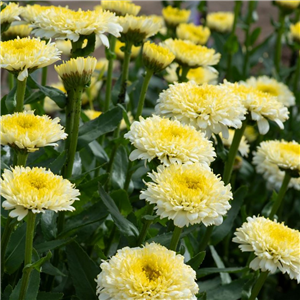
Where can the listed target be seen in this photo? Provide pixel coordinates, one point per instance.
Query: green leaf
(56, 95)
(225, 278)
(88, 49)
(83, 272)
(232, 44)
(4, 110)
(98, 152)
(49, 296)
(207, 271)
(43, 247)
(197, 260)
(48, 268)
(105, 123)
(119, 168)
(116, 90)
(122, 200)
(32, 290)
(6, 293)
(34, 97)
(10, 100)
(125, 226)
(56, 165)
(37, 265)
(254, 35)
(48, 224)
(220, 232)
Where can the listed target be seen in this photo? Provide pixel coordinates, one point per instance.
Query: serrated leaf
(83, 272)
(125, 226)
(93, 129)
(197, 260)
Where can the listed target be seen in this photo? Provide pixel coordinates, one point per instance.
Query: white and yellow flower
(275, 246)
(35, 189)
(174, 16)
(295, 31)
(196, 34)
(220, 21)
(120, 54)
(121, 8)
(9, 13)
(151, 272)
(15, 31)
(288, 4)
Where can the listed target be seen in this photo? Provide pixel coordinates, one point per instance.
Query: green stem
(237, 9)
(22, 158)
(28, 253)
(146, 81)
(282, 191)
(20, 94)
(175, 238)
(233, 151)
(206, 238)
(146, 225)
(258, 285)
(184, 72)
(10, 80)
(44, 76)
(277, 56)
(8, 229)
(125, 71)
(251, 7)
(128, 175)
(111, 58)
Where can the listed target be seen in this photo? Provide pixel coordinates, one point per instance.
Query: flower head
(191, 55)
(22, 56)
(188, 194)
(137, 29)
(260, 105)
(29, 132)
(295, 31)
(196, 34)
(9, 13)
(272, 158)
(120, 54)
(62, 23)
(155, 57)
(288, 4)
(35, 189)
(220, 21)
(76, 72)
(121, 8)
(273, 87)
(15, 31)
(274, 244)
(208, 107)
(92, 114)
(151, 272)
(30, 12)
(169, 141)
(174, 16)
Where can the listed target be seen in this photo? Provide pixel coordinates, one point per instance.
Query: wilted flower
(261, 106)
(209, 108)
(196, 34)
(188, 194)
(121, 8)
(273, 158)
(174, 16)
(295, 31)
(274, 244)
(151, 272)
(191, 55)
(137, 29)
(273, 87)
(29, 132)
(120, 54)
(169, 141)
(155, 57)
(37, 190)
(23, 56)
(220, 21)
(62, 23)
(76, 72)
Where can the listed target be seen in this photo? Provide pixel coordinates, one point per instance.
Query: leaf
(48, 224)
(4, 110)
(83, 272)
(51, 245)
(119, 168)
(10, 100)
(56, 165)
(207, 271)
(34, 97)
(56, 95)
(98, 152)
(125, 226)
(220, 232)
(254, 35)
(116, 91)
(37, 265)
(105, 123)
(49, 296)
(121, 198)
(88, 49)
(32, 290)
(232, 44)
(48, 268)
(6, 293)
(225, 278)
(197, 260)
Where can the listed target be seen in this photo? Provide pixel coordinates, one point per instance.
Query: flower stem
(10, 81)
(28, 253)
(233, 151)
(44, 76)
(277, 56)
(282, 191)
(20, 94)
(258, 285)
(146, 81)
(184, 71)
(206, 238)
(125, 70)
(111, 58)
(175, 238)
(146, 225)
(21, 158)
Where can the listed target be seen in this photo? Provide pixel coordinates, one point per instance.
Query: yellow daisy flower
(288, 4)
(23, 56)
(295, 31)
(30, 12)
(37, 190)
(174, 16)
(30, 132)
(196, 34)
(9, 14)
(120, 54)
(188, 194)
(275, 246)
(220, 21)
(15, 31)
(169, 141)
(151, 272)
(121, 8)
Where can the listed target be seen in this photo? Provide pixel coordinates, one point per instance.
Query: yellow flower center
(23, 123)
(266, 88)
(151, 273)
(290, 148)
(20, 46)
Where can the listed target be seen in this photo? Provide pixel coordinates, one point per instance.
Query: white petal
(263, 126)
(22, 75)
